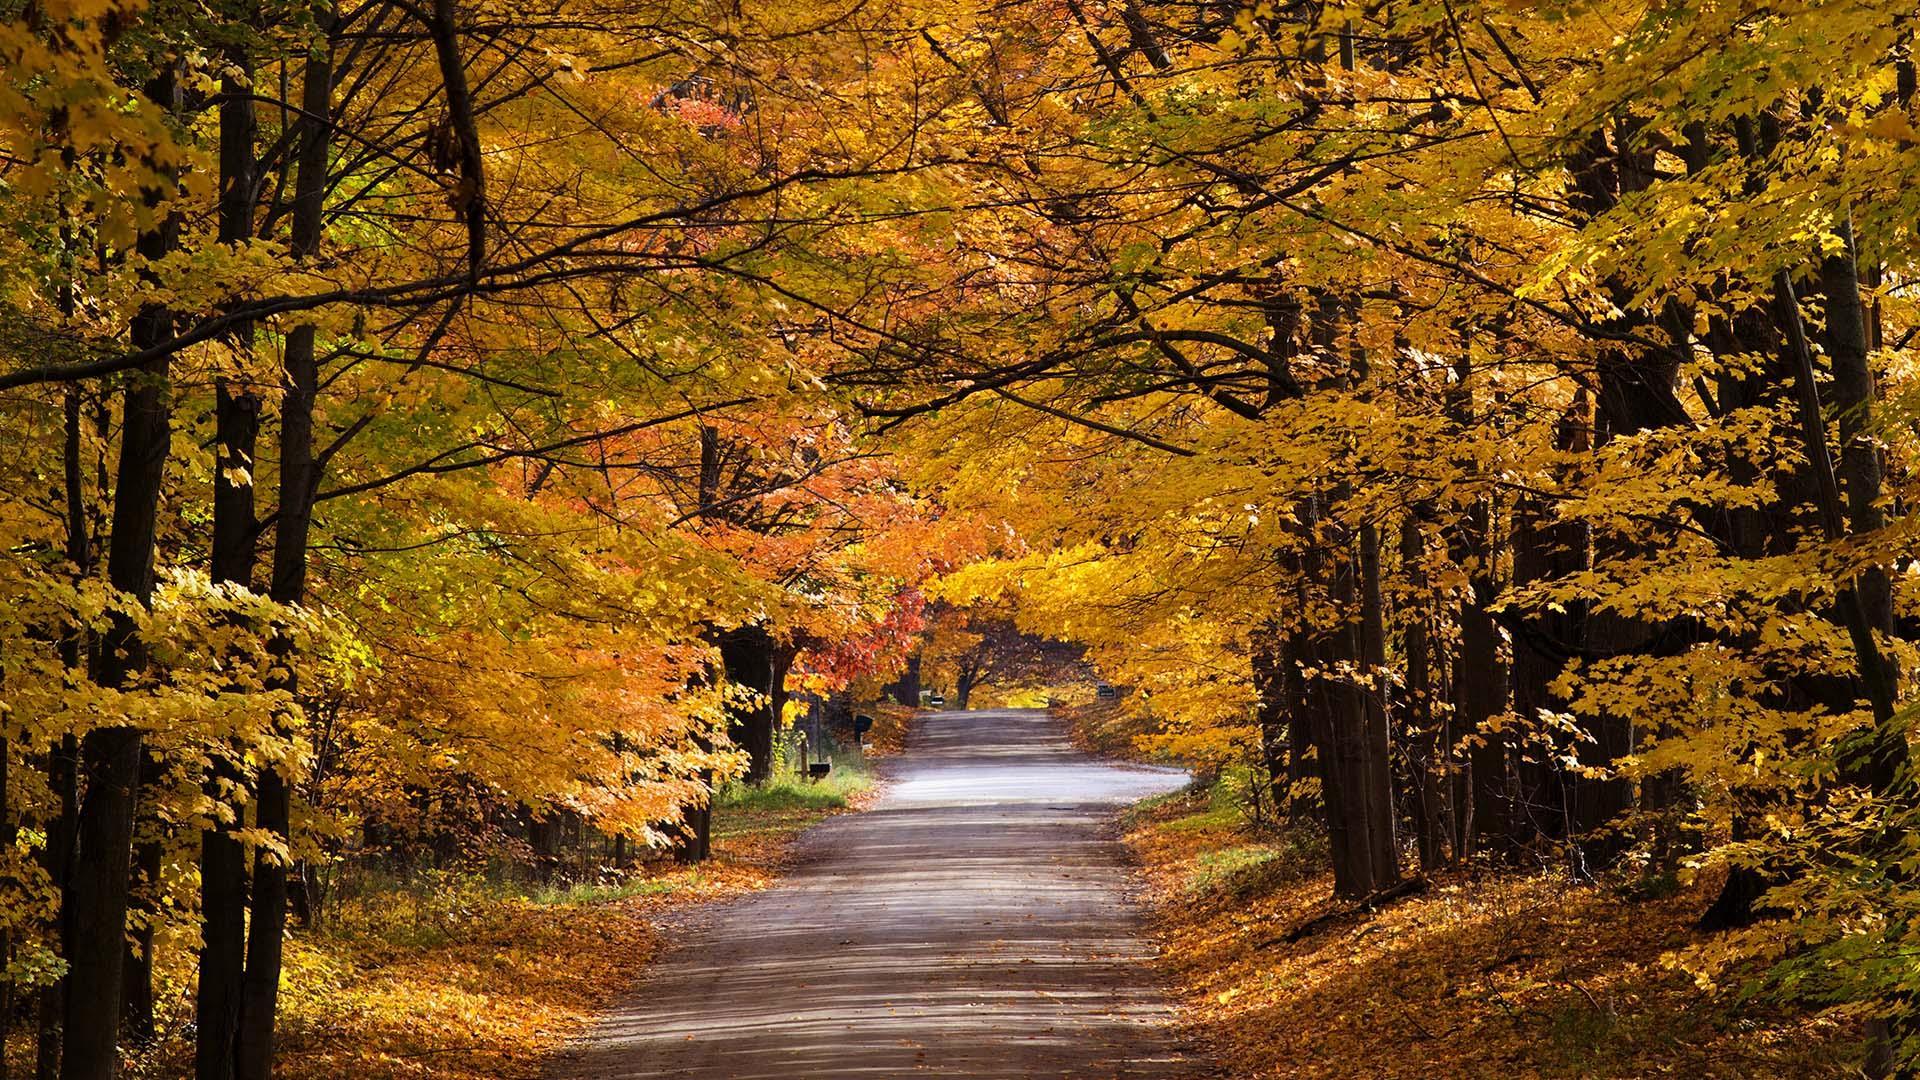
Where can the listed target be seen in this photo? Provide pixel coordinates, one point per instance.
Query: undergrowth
(482, 973)
(1507, 975)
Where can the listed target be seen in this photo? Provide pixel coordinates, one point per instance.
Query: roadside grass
(748, 821)
(1521, 975)
(483, 976)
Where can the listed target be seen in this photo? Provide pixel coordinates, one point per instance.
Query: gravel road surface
(976, 923)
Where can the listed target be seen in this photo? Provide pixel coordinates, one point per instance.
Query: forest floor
(1517, 976)
(457, 977)
(1508, 975)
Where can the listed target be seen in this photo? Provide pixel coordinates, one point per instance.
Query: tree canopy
(1489, 425)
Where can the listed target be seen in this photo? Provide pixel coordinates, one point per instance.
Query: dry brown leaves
(1504, 975)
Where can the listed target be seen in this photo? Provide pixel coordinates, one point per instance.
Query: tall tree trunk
(299, 483)
(1480, 696)
(1376, 738)
(1349, 739)
(747, 658)
(223, 866)
(1270, 709)
(1550, 795)
(906, 690)
(1422, 721)
(137, 994)
(1295, 654)
(695, 842)
(1480, 681)
(98, 893)
(63, 759)
(8, 833)
(1881, 764)
(1886, 756)
(1859, 476)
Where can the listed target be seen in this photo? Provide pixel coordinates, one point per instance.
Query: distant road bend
(975, 924)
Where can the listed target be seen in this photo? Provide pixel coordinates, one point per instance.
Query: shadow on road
(975, 924)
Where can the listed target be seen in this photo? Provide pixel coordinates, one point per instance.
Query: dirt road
(975, 924)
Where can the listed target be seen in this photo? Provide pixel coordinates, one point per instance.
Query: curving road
(975, 924)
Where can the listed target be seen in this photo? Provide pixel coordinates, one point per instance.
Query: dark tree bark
(98, 893)
(299, 482)
(8, 831)
(747, 655)
(63, 759)
(1349, 728)
(906, 690)
(1558, 803)
(1884, 758)
(223, 867)
(1859, 472)
(1426, 748)
(695, 840)
(1480, 678)
(1270, 710)
(1480, 695)
(970, 676)
(1383, 846)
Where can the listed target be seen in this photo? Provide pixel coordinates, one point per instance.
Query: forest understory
(460, 974)
(1510, 974)
(1478, 972)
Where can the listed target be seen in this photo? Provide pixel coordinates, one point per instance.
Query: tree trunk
(1480, 680)
(1376, 771)
(906, 690)
(64, 759)
(1549, 795)
(963, 684)
(299, 482)
(747, 657)
(1422, 722)
(1859, 474)
(1349, 731)
(696, 833)
(223, 867)
(1480, 696)
(136, 995)
(8, 832)
(1270, 710)
(98, 893)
